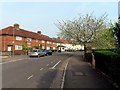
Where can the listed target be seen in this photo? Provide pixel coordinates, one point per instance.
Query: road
(43, 72)
(61, 70)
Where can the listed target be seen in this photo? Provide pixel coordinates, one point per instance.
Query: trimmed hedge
(117, 51)
(108, 61)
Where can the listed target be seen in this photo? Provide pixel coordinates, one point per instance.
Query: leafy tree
(83, 29)
(39, 46)
(104, 40)
(116, 33)
(87, 30)
(24, 47)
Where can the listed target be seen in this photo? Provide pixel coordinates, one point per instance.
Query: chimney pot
(39, 32)
(16, 26)
(58, 37)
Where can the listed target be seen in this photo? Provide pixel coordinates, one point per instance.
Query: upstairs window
(43, 41)
(48, 42)
(29, 39)
(18, 38)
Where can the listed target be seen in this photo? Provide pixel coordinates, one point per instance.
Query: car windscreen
(34, 50)
(48, 51)
(40, 50)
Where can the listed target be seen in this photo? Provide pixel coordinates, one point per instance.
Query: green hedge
(117, 51)
(108, 61)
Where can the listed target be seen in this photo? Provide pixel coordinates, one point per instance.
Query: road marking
(55, 65)
(47, 65)
(63, 79)
(41, 69)
(29, 77)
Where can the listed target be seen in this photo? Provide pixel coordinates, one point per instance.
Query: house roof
(29, 34)
(24, 33)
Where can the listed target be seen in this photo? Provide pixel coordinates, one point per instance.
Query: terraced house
(13, 38)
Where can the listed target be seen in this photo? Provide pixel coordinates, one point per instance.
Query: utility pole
(13, 41)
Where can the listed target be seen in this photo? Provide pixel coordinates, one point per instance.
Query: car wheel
(38, 56)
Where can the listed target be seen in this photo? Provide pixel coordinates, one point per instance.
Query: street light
(13, 41)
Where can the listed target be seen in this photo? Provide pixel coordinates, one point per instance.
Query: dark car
(47, 52)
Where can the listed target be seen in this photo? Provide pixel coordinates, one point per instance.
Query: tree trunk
(85, 52)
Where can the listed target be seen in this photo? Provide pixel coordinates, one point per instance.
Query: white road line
(29, 77)
(41, 69)
(63, 79)
(55, 65)
(47, 65)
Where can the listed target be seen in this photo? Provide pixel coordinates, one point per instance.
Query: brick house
(13, 38)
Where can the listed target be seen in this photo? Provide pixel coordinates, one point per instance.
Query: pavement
(80, 74)
(12, 58)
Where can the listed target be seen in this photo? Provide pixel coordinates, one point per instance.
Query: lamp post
(13, 41)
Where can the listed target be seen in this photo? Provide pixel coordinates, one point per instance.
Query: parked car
(36, 52)
(47, 52)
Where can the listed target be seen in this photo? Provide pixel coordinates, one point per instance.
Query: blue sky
(41, 16)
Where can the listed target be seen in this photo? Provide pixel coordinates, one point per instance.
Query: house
(17, 40)
(13, 38)
(66, 45)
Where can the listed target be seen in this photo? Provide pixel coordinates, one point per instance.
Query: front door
(9, 48)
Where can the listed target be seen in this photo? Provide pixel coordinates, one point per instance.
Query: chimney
(16, 26)
(39, 32)
(58, 37)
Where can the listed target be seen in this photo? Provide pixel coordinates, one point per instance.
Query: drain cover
(79, 74)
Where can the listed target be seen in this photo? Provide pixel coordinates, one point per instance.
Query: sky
(42, 16)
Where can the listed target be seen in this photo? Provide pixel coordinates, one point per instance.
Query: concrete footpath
(80, 74)
(12, 58)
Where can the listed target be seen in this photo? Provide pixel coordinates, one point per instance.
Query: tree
(39, 46)
(104, 40)
(83, 29)
(116, 33)
(24, 47)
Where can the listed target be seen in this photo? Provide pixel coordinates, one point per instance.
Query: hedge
(108, 61)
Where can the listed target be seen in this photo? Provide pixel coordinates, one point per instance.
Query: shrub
(108, 62)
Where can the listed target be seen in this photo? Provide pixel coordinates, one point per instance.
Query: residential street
(61, 70)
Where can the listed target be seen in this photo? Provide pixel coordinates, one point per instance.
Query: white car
(37, 53)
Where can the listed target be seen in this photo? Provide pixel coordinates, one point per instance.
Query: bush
(117, 51)
(108, 61)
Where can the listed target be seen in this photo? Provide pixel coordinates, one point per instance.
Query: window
(18, 47)
(18, 38)
(43, 41)
(29, 39)
(48, 42)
